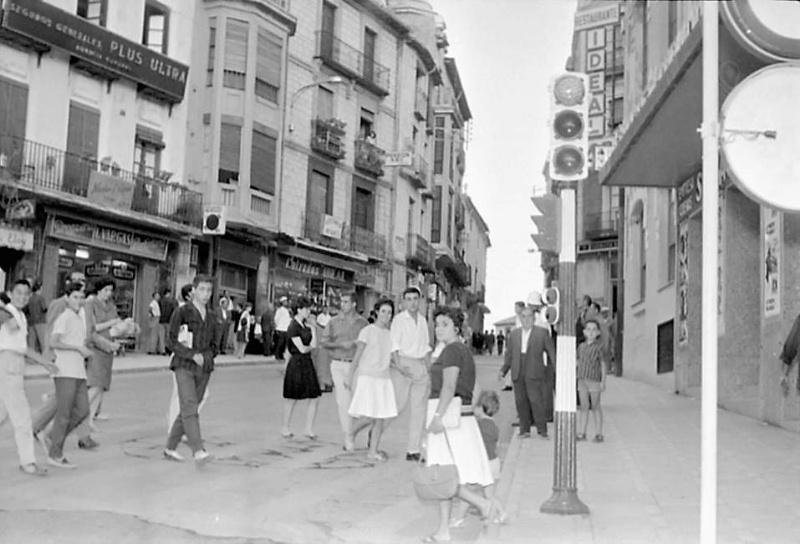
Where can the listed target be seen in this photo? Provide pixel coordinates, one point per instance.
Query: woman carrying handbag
(454, 437)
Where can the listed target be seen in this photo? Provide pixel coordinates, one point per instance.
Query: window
(672, 22)
(410, 225)
(320, 195)
(363, 209)
(324, 103)
(156, 26)
(370, 37)
(639, 261)
(645, 37)
(262, 162)
(93, 11)
(147, 152)
(366, 124)
(328, 29)
(212, 50)
(229, 152)
(13, 117)
(671, 237)
(235, 69)
(83, 137)
(438, 146)
(269, 55)
(436, 219)
(450, 158)
(450, 220)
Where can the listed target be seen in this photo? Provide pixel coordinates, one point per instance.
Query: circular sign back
(769, 29)
(760, 136)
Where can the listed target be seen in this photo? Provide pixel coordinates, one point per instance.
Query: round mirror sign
(768, 28)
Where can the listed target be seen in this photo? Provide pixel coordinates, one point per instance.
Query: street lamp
(330, 81)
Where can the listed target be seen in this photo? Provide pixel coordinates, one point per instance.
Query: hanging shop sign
(22, 209)
(18, 239)
(332, 227)
(111, 238)
(770, 30)
(98, 47)
(110, 191)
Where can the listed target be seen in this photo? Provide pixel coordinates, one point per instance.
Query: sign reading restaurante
(46, 23)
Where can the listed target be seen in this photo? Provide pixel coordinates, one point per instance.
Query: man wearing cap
(340, 339)
(282, 321)
(411, 360)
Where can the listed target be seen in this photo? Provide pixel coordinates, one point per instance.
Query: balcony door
(13, 113)
(319, 202)
(328, 26)
(83, 133)
(369, 54)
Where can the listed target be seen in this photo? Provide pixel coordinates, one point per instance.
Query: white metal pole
(710, 133)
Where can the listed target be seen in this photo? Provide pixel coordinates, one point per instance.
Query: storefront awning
(662, 146)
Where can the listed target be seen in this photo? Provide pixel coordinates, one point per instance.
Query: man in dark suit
(524, 353)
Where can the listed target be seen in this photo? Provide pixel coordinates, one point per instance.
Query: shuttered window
(229, 152)
(436, 220)
(235, 69)
(262, 162)
(438, 146)
(268, 65)
(212, 50)
(364, 209)
(13, 113)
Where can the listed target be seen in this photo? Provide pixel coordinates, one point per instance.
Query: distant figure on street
(157, 342)
(243, 330)
(267, 330)
(489, 340)
(300, 379)
(324, 317)
(168, 304)
(225, 318)
(789, 354)
(524, 357)
(501, 341)
(591, 374)
(282, 321)
(193, 335)
(36, 313)
(583, 310)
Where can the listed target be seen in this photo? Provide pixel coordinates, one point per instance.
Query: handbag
(452, 416)
(436, 482)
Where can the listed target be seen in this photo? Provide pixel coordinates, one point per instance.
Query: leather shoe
(416, 456)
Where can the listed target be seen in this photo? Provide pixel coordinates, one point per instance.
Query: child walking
(487, 405)
(591, 374)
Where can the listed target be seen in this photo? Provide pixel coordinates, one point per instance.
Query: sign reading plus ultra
(46, 23)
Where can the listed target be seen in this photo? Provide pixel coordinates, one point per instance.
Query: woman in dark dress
(300, 380)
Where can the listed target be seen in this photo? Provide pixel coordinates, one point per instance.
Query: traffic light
(214, 220)
(569, 130)
(551, 299)
(548, 224)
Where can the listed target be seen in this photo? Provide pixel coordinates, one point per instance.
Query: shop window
(156, 26)
(269, 56)
(229, 152)
(93, 11)
(212, 50)
(235, 70)
(262, 162)
(233, 278)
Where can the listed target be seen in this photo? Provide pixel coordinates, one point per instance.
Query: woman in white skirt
(452, 382)
(373, 402)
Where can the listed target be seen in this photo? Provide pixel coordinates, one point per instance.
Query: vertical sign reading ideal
(772, 262)
(683, 283)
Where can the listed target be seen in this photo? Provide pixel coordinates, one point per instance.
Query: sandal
(33, 469)
(598, 438)
(580, 436)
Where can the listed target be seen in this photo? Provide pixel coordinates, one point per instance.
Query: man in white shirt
(282, 320)
(13, 352)
(157, 340)
(411, 361)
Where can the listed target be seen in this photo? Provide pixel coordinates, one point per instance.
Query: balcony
(421, 105)
(420, 254)
(353, 63)
(47, 171)
(369, 157)
(368, 242)
(418, 172)
(327, 137)
(603, 225)
(325, 230)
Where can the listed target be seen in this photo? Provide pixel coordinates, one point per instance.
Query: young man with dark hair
(194, 333)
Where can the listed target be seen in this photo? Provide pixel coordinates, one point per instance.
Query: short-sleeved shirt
(590, 359)
(72, 328)
(343, 329)
(458, 355)
(377, 354)
(490, 434)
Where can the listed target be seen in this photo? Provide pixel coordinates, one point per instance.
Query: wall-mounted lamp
(330, 81)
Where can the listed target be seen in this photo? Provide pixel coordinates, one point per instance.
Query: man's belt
(341, 360)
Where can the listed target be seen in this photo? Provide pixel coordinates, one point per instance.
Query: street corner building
(326, 138)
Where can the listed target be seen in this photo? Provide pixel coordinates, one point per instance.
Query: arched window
(639, 254)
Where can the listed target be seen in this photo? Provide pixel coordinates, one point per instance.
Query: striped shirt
(590, 359)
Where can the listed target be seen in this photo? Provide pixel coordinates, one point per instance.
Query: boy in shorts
(591, 374)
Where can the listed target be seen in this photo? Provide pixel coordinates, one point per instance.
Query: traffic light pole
(565, 499)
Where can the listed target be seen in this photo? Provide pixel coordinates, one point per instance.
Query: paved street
(262, 488)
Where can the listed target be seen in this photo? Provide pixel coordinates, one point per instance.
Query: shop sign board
(332, 227)
(314, 269)
(772, 262)
(95, 45)
(110, 191)
(18, 239)
(398, 158)
(22, 209)
(606, 15)
(111, 238)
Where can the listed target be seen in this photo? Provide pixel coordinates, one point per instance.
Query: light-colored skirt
(373, 397)
(468, 452)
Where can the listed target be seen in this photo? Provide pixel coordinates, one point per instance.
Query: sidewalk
(141, 362)
(643, 484)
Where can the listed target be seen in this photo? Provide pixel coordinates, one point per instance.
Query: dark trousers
(223, 341)
(72, 407)
(192, 385)
(280, 344)
(267, 336)
(530, 397)
(551, 387)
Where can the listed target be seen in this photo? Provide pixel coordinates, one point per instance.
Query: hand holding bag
(452, 416)
(436, 482)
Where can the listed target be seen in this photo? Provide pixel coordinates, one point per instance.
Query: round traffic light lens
(568, 160)
(569, 90)
(568, 124)
(212, 222)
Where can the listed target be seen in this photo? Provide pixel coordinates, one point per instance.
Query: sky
(506, 52)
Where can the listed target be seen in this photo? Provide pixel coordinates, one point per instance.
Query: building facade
(92, 145)
(657, 160)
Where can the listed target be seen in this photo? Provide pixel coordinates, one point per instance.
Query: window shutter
(236, 46)
(269, 56)
(262, 162)
(230, 147)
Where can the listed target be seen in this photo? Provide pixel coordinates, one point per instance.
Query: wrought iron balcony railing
(601, 225)
(419, 252)
(37, 167)
(325, 230)
(368, 242)
(327, 137)
(369, 157)
(352, 62)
